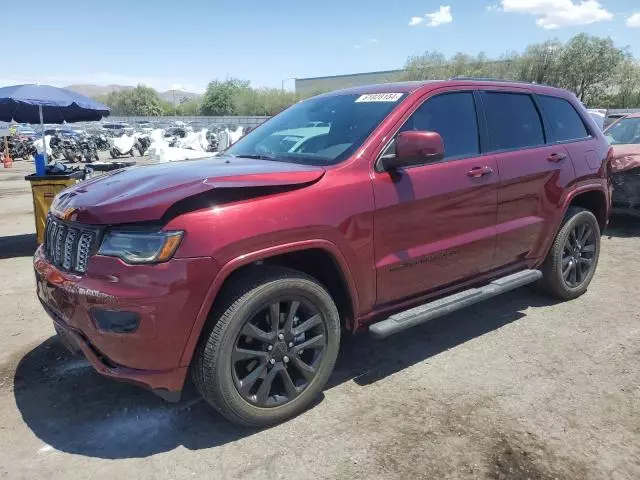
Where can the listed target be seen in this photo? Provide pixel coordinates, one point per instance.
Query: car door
(533, 174)
(434, 224)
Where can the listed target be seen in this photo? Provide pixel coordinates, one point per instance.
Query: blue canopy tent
(46, 104)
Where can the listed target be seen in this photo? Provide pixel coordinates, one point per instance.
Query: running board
(443, 306)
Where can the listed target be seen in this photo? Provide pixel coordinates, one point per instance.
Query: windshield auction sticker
(379, 97)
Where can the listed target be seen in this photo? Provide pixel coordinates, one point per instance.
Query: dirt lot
(519, 387)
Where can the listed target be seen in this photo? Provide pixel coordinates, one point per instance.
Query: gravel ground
(518, 387)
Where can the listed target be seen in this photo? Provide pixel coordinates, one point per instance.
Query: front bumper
(167, 297)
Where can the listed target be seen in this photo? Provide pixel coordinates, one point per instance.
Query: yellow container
(43, 189)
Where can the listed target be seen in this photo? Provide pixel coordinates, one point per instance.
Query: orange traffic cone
(7, 161)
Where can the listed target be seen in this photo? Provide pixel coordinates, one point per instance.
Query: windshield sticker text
(379, 97)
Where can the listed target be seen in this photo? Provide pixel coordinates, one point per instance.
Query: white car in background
(289, 141)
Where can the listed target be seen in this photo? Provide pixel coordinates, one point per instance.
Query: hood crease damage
(155, 192)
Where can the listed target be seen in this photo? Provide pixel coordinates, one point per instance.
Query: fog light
(116, 321)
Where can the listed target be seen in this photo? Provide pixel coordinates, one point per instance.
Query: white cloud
(492, 8)
(552, 14)
(373, 40)
(634, 21)
(439, 17)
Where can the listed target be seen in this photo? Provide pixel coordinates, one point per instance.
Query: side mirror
(415, 148)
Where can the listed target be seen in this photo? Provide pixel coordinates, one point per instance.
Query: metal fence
(228, 120)
(622, 110)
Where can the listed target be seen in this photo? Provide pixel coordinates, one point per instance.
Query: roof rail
(490, 79)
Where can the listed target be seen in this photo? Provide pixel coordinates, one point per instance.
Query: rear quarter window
(565, 122)
(513, 121)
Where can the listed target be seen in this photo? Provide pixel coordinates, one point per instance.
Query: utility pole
(175, 109)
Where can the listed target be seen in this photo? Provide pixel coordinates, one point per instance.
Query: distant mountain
(100, 90)
(97, 90)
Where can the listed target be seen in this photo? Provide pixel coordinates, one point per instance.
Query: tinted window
(563, 118)
(453, 116)
(513, 121)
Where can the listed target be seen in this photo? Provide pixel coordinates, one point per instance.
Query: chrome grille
(69, 246)
(84, 250)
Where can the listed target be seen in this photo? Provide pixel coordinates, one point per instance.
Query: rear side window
(563, 118)
(453, 116)
(513, 121)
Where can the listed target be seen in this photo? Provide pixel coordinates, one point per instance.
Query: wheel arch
(308, 257)
(593, 199)
(591, 196)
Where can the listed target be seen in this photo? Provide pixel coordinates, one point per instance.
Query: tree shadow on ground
(70, 407)
(13, 246)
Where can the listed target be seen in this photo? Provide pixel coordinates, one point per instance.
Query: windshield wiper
(258, 157)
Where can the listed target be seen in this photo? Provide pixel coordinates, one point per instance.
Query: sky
(186, 43)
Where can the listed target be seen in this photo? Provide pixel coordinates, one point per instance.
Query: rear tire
(257, 371)
(571, 263)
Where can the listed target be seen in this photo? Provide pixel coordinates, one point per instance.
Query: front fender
(245, 259)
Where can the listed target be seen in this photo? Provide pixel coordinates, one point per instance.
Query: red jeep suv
(380, 207)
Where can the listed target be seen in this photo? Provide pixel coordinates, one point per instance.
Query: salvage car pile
(19, 147)
(182, 143)
(175, 142)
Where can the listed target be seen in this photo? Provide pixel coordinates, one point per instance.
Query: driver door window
(453, 116)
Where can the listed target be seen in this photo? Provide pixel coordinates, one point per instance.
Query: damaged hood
(145, 193)
(625, 157)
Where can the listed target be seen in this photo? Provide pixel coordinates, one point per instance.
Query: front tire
(571, 263)
(271, 349)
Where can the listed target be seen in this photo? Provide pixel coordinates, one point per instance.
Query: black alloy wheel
(572, 259)
(278, 351)
(578, 255)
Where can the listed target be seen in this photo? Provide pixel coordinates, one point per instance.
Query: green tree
(167, 108)
(219, 98)
(189, 107)
(506, 66)
(597, 71)
(625, 92)
(138, 101)
(541, 63)
(587, 64)
(429, 66)
(263, 101)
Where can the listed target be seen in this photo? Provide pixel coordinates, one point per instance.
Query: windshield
(319, 131)
(625, 131)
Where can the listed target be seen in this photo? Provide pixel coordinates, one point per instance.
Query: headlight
(140, 247)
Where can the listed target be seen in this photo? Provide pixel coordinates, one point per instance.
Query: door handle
(557, 157)
(477, 172)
